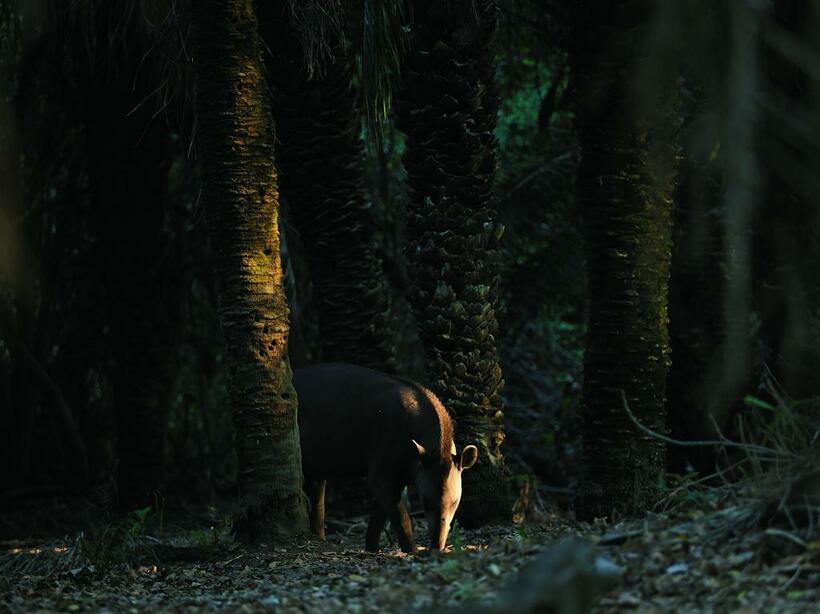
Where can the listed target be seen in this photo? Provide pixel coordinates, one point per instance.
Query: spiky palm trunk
(447, 110)
(625, 184)
(322, 183)
(241, 197)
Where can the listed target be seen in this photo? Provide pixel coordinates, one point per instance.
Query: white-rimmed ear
(469, 455)
(419, 448)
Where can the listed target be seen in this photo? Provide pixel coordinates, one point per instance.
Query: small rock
(629, 599)
(677, 568)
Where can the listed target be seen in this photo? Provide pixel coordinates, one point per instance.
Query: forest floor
(704, 556)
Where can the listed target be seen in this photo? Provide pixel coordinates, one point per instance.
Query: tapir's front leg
(374, 527)
(388, 496)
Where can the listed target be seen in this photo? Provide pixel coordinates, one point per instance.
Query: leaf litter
(682, 560)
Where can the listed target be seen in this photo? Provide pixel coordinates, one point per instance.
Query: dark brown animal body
(355, 421)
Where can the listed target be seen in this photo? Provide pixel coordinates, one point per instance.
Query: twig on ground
(786, 535)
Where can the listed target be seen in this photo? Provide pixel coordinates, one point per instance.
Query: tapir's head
(439, 484)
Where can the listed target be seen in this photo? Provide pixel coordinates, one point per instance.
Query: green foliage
(686, 491)
(466, 589)
(450, 570)
(779, 436)
(455, 537)
(384, 27)
(543, 283)
(115, 543)
(220, 533)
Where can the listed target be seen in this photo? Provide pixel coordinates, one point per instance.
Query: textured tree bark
(322, 183)
(625, 184)
(447, 110)
(241, 197)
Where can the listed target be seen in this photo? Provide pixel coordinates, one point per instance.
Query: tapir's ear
(469, 455)
(420, 448)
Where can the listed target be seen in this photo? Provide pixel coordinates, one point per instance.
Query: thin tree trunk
(447, 110)
(729, 373)
(235, 132)
(625, 184)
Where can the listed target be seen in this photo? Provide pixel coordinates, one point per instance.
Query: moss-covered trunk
(625, 186)
(447, 110)
(322, 184)
(235, 133)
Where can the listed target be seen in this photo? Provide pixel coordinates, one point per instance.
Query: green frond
(382, 40)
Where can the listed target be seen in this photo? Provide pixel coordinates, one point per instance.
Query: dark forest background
(648, 159)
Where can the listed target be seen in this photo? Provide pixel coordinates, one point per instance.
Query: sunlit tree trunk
(625, 184)
(447, 109)
(322, 183)
(235, 133)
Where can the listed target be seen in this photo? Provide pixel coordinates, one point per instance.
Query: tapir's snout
(438, 534)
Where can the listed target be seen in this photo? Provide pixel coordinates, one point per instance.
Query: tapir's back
(351, 417)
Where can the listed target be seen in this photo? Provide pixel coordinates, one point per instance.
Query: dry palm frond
(42, 558)
(320, 26)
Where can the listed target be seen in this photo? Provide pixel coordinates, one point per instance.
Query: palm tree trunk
(625, 185)
(241, 198)
(447, 110)
(322, 185)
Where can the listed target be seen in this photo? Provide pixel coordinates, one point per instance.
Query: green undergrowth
(115, 543)
(219, 533)
(768, 476)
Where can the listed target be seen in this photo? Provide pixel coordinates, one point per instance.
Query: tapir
(354, 421)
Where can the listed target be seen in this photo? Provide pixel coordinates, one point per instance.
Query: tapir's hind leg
(316, 495)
